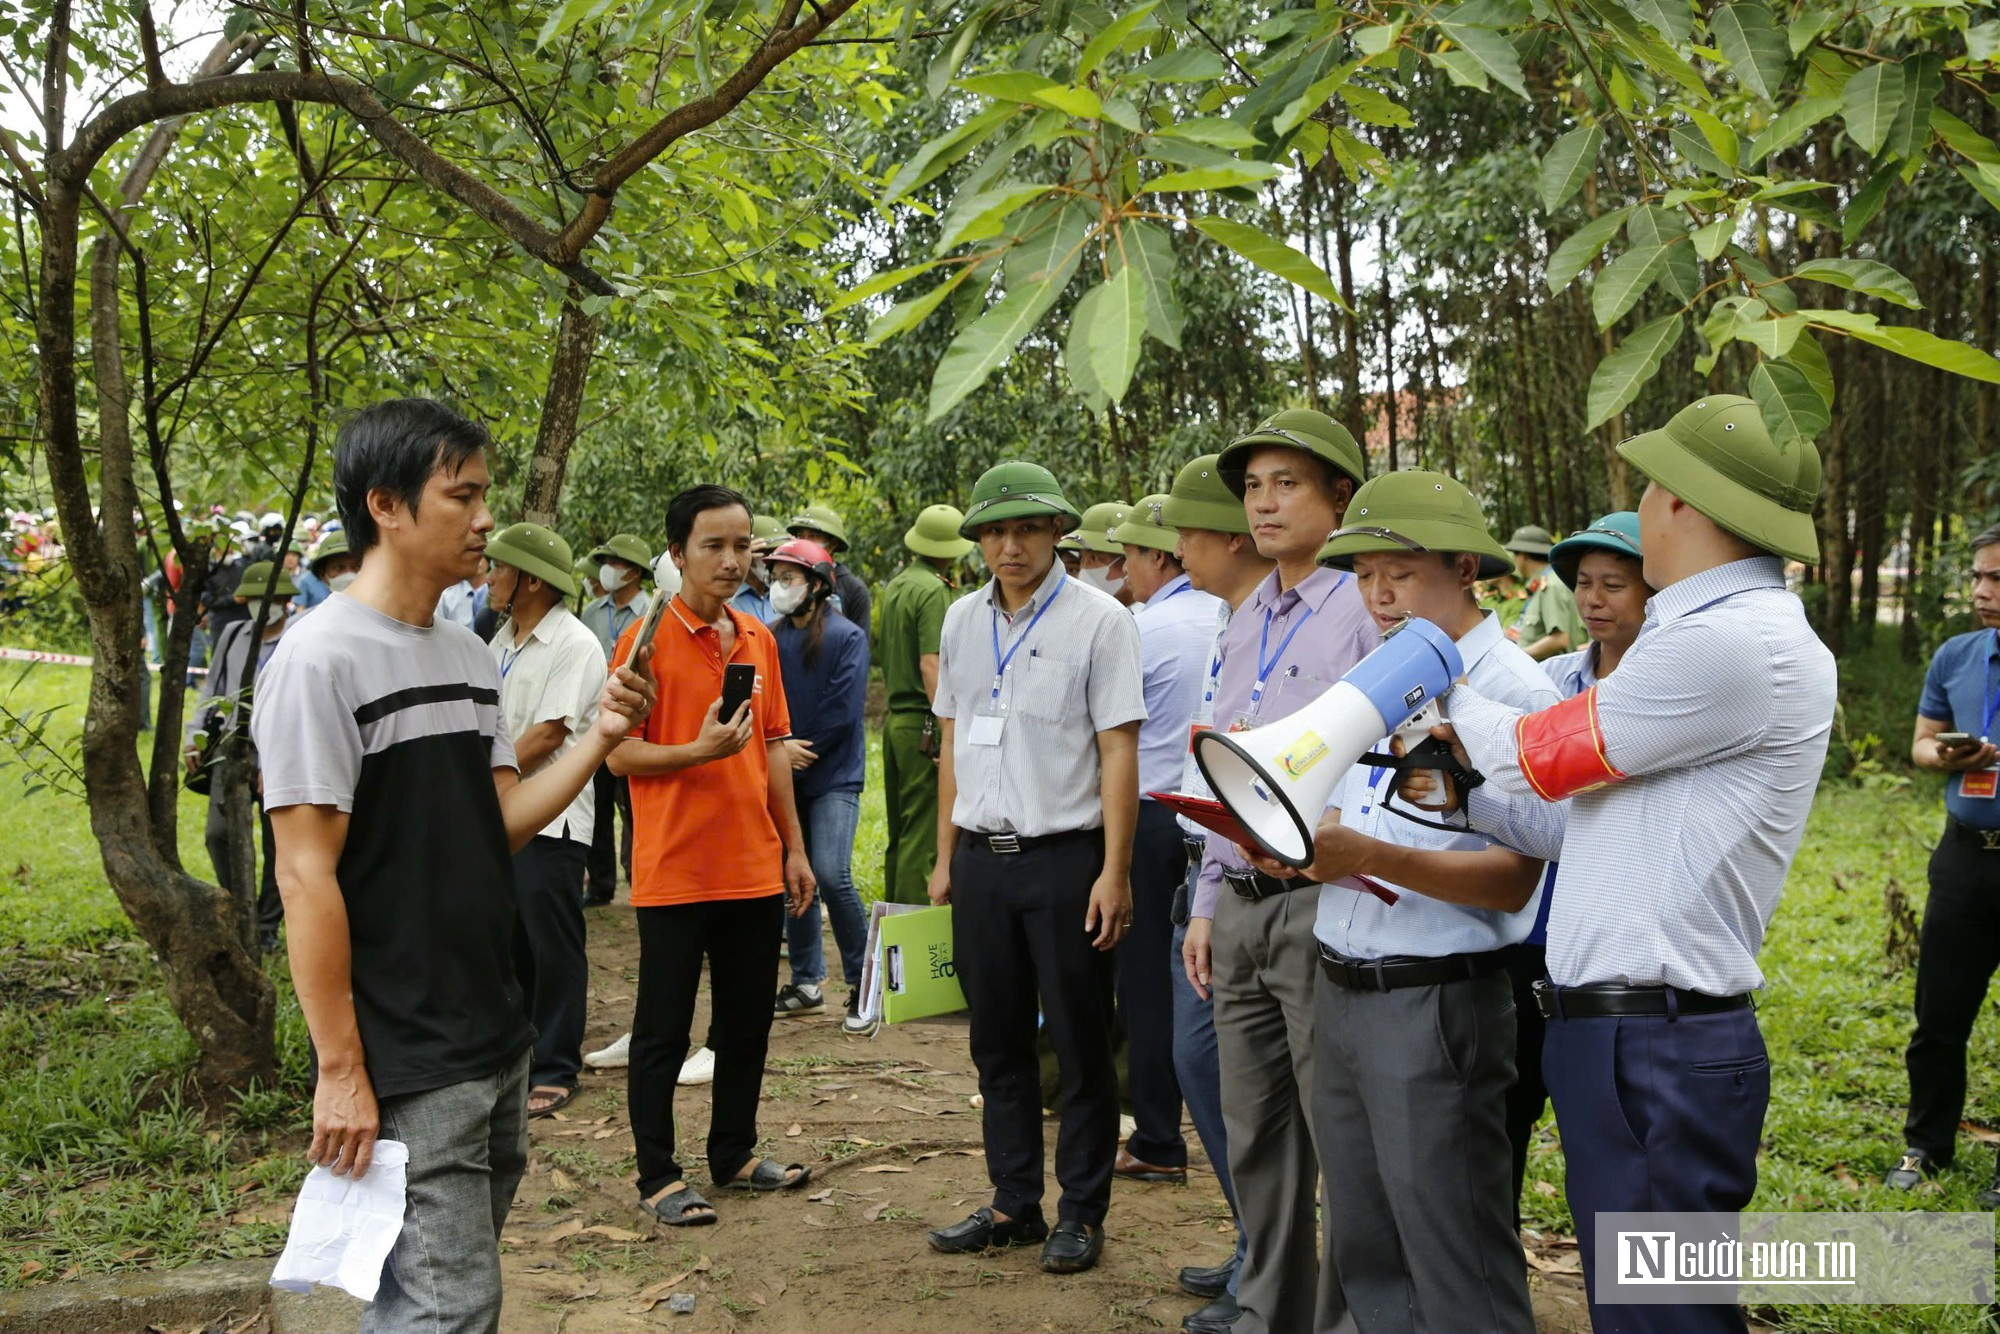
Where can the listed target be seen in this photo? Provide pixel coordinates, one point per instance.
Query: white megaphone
(1277, 779)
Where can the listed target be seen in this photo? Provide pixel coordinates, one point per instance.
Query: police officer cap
(1718, 457)
(935, 533)
(1415, 510)
(533, 549)
(1315, 433)
(1617, 533)
(1017, 491)
(1146, 526)
(1531, 539)
(1199, 499)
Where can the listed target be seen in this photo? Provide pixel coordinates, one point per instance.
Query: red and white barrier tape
(70, 659)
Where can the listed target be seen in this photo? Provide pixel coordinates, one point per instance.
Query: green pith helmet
(1415, 510)
(1298, 428)
(1093, 532)
(333, 544)
(1717, 456)
(533, 549)
(821, 519)
(1531, 539)
(1617, 533)
(626, 547)
(935, 533)
(1146, 526)
(1199, 499)
(1017, 491)
(769, 529)
(256, 582)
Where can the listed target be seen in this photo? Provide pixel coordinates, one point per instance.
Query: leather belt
(1010, 844)
(1556, 1002)
(1196, 848)
(1979, 840)
(1392, 974)
(1255, 885)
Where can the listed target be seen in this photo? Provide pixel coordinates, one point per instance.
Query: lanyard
(508, 660)
(1000, 663)
(1265, 666)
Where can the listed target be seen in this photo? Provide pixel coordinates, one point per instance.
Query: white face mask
(788, 598)
(339, 582)
(611, 578)
(274, 614)
(1099, 578)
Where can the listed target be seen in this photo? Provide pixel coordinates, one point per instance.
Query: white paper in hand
(343, 1229)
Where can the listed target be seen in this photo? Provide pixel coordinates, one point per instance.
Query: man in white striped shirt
(1692, 773)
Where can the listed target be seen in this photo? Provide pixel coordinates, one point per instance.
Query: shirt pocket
(1292, 693)
(1047, 690)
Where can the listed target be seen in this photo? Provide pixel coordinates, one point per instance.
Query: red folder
(1213, 815)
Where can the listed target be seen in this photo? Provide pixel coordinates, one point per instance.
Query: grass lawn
(103, 1167)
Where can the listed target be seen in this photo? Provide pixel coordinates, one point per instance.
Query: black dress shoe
(1210, 1282)
(1218, 1317)
(1072, 1248)
(982, 1230)
(1911, 1168)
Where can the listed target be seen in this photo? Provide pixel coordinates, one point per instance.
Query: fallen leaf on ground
(607, 1132)
(832, 1088)
(864, 1143)
(816, 1198)
(557, 1116)
(882, 1167)
(1546, 1189)
(760, 1299)
(559, 1179)
(32, 1268)
(614, 1233)
(794, 1130)
(654, 1293)
(565, 1229)
(915, 1111)
(874, 1211)
(584, 1293)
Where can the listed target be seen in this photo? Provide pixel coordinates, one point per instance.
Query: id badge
(1979, 783)
(1194, 731)
(986, 728)
(1245, 722)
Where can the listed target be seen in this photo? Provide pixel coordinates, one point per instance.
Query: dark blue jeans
(1200, 1076)
(830, 822)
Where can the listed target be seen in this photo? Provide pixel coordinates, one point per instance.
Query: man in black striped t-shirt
(397, 805)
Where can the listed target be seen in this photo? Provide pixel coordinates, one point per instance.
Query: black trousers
(609, 791)
(1146, 988)
(739, 938)
(270, 907)
(1018, 918)
(1526, 964)
(549, 955)
(1957, 953)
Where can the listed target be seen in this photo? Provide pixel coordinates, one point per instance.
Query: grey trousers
(1264, 964)
(468, 1149)
(1410, 1113)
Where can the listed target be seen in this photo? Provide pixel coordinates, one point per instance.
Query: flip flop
(768, 1176)
(535, 1113)
(672, 1208)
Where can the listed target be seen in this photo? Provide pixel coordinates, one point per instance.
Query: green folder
(920, 978)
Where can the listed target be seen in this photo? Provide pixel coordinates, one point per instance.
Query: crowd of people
(1363, 1046)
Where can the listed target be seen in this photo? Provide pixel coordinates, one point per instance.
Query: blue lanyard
(1265, 666)
(507, 662)
(1176, 593)
(1992, 694)
(1000, 663)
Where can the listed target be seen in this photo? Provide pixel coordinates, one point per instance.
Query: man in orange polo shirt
(713, 821)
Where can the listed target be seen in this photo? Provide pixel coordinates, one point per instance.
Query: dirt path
(889, 1129)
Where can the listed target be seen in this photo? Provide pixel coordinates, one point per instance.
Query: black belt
(1009, 844)
(1196, 848)
(1391, 974)
(1255, 885)
(1556, 1002)
(1979, 840)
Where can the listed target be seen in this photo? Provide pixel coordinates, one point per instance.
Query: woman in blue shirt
(824, 662)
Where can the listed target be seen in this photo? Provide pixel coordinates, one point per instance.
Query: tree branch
(149, 42)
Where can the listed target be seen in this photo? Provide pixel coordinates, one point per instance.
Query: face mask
(787, 598)
(1099, 578)
(274, 614)
(760, 571)
(339, 582)
(611, 578)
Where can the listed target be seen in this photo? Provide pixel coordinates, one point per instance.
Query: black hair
(1989, 538)
(397, 446)
(683, 508)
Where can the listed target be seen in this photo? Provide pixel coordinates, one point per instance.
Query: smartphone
(1956, 740)
(649, 624)
(739, 680)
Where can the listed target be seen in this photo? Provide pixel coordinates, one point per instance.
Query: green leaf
(984, 346)
(1982, 41)
(1569, 164)
(1623, 281)
(1109, 39)
(1495, 54)
(1870, 103)
(1711, 238)
(984, 215)
(1694, 149)
(1802, 30)
(1147, 247)
(1809, 358)
(1722, 139)
(1272, 256)
(1867, 202)
(1213, 131)
(1865, 276)
(934, 157)
(1775, 336)
(1078, 102)
(1008, 85)
(1911, 130)
(909, 314)
(1188, 64)
(1463, 70)
(1654, 225)
(1672, 19)
(878, 284)
(1120, 112)
(1111, 321)
(1792, 408)
(1790, 126)
(1847, 321)
(1621, 375)
(945, 67)
(1962, 138)
(1979, 179)
(1752, 44)
(1373, 41)
(1944, 353)
(1314, 97)
(1211, 178)
(1052, 250)
(1370, 107)
(1356, 156)
(1573, 256)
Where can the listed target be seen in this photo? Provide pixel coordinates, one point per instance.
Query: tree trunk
(1350, 351)
(569, 370)
(1388, 337)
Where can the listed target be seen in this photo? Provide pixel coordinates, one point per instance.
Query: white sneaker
(614, 1057)
(699, 1068)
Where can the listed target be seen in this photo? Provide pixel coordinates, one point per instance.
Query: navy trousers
(1145, 985)
(1658, 1115)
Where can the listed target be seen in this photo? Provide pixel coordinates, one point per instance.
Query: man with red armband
(1674, 795)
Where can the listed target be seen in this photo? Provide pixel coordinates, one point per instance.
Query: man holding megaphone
(1414, 1013)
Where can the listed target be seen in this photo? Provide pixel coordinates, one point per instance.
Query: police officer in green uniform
(913, 607)
(1549, 623)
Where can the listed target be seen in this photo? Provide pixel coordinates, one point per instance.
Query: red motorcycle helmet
(811, 557)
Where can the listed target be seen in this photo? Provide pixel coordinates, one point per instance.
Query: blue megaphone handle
(1414, 665)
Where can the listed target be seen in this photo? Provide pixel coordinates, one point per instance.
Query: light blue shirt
(1719, 717)
(608, 621)
(1176, 626)
(1192, 781)
(457, 604)
(1360, 925)
(1573, 673)
(312, 590)
(752, 603)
